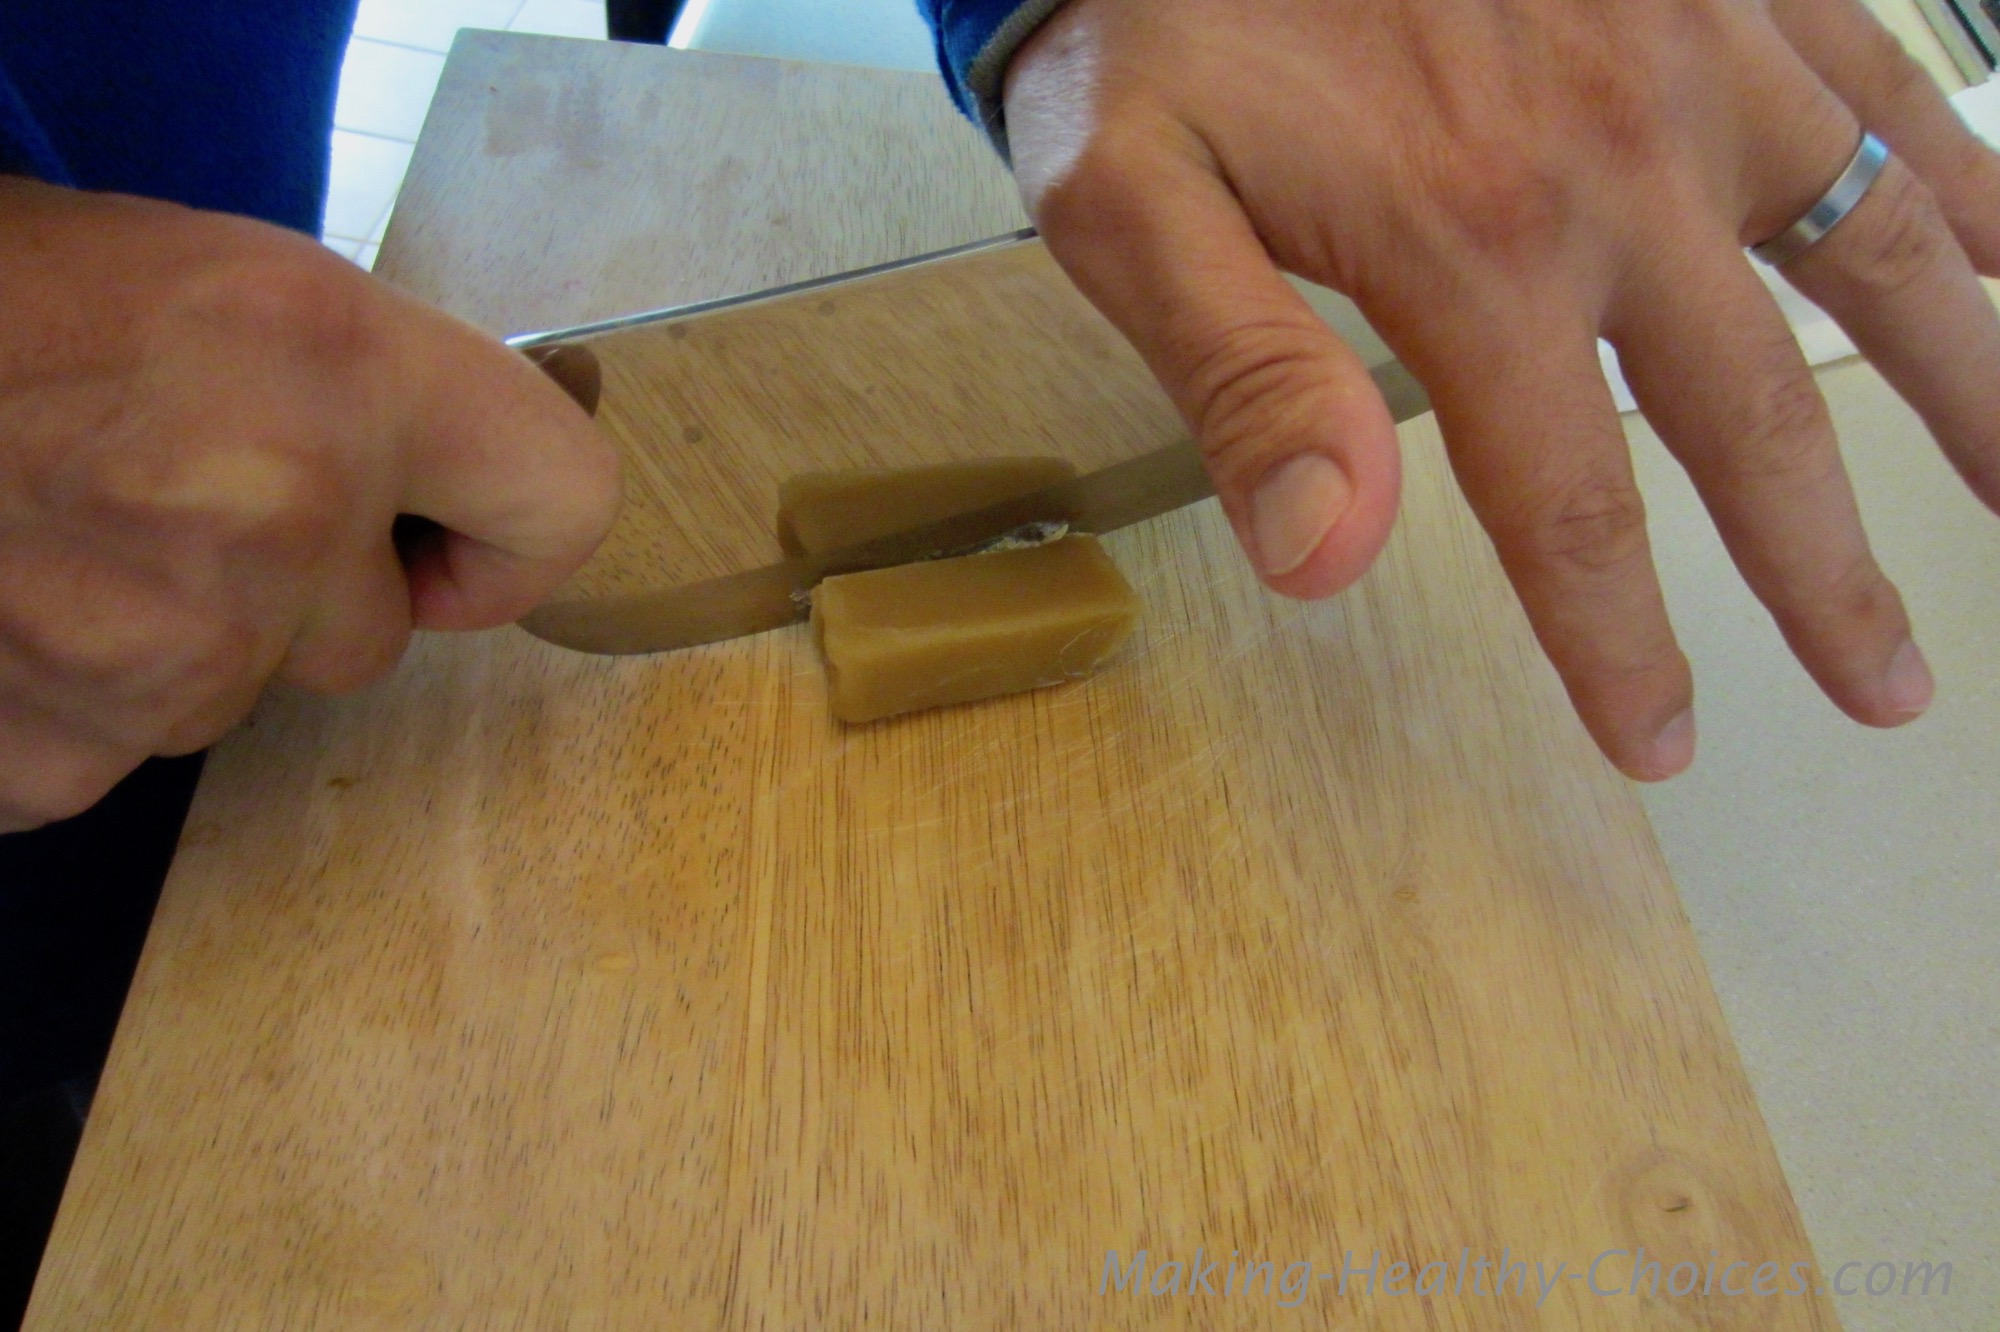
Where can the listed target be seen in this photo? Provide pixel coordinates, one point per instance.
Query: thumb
(1299, 443)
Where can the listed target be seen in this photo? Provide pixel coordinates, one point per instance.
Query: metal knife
(769, 597)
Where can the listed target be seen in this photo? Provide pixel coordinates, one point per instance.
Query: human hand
(208, 427)
(1497, 185)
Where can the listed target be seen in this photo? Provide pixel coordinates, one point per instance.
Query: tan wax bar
(821, 511)
(950, 631)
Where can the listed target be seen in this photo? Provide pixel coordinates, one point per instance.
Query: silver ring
(1824, 216)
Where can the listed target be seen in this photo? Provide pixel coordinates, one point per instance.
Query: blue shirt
(227, 105)
(221, 104)
(975, 40)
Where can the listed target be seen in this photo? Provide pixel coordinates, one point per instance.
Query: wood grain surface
(532, 990)
(989, 355)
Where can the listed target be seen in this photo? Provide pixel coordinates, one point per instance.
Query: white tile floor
(882, 34)
(399, 46)
(392, 68)
(398, 51)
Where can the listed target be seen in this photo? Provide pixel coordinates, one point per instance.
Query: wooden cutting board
(529, 989)
(990, 354)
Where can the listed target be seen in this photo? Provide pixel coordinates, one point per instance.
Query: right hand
(208, 427)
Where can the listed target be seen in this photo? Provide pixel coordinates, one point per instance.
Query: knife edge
(774, 595)
(528, 341)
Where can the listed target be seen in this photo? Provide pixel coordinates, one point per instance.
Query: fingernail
(1672, 749)
(1296, 505)
(1907, 687)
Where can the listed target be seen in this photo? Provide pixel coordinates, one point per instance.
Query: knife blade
(775, 595)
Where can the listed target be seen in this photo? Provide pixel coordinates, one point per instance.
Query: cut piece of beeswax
(822, 511)
(950, 631)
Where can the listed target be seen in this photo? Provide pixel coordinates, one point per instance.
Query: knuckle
(1592, 525)
(1097, 190)
(272, 497)
(1891, 75)
(129, 652)
(1860, 596)
(1497, 213)
(1255, 388)
(284, 508)
(259, 465)
(1907, 239)
(183, 681)
(1503, 201)
(93, 628)
(1625, 120)
(1786, 434)
(293, 300)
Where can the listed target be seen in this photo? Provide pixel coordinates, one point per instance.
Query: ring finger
(1896, 279)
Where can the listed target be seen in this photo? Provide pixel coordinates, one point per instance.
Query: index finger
(523, 484)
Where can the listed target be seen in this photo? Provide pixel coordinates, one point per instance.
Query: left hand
(1497, 183)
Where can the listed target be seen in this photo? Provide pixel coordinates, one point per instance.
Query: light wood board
(531, 990)
(989, 355)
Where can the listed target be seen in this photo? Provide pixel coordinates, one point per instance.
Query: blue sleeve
(25, 149)
(975, 40)
(212, 103)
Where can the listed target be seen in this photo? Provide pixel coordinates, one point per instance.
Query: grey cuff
(989, 68)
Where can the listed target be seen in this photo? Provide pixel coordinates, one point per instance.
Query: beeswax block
(950, 631)
(822, 511)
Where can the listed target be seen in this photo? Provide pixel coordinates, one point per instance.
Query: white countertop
(1845, 883)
